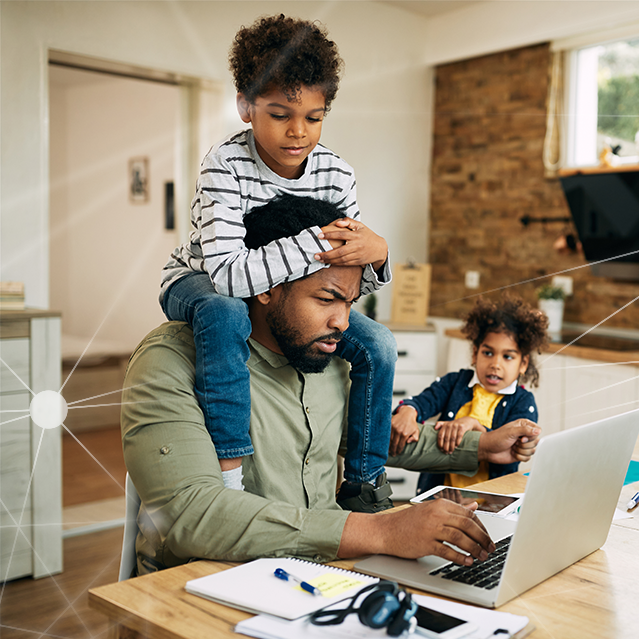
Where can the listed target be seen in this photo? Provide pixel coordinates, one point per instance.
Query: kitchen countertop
(591, 346)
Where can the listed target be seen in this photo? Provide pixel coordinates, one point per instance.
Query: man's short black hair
(279, 52)
(286, 216)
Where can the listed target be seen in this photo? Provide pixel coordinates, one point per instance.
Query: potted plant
(370, 306)
(551, 302)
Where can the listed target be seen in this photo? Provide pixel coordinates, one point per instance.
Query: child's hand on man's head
(334, 242)
(451, 433)
(362, 246)
(404, 429)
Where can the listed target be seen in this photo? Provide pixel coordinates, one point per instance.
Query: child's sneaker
(365, 498)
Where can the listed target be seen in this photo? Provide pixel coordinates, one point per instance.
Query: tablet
(491, 503)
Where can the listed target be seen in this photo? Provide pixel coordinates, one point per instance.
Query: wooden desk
(595, 597)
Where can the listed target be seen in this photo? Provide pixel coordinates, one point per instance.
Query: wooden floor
(57, 606)
(93, 469)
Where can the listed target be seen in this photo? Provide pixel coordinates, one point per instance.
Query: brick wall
(487, 173)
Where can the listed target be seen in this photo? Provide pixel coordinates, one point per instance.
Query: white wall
(379, 122)
(487, 27)
(106, 252)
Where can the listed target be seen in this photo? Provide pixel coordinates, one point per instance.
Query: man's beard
(303, 357)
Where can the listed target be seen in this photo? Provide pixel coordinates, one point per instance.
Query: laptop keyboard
(482, 574)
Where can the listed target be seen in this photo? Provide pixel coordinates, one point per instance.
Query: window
(604, 103)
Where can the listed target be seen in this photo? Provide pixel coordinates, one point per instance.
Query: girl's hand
(451, 433)
(361, 245)
(404, 429)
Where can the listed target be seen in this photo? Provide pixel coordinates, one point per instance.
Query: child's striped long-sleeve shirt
(233, 180)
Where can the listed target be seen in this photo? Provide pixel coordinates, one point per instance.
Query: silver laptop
(570, 500)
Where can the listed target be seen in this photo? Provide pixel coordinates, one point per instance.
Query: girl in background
(504, 336)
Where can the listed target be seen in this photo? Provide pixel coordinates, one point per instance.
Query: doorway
(113, 145)
(112, 153)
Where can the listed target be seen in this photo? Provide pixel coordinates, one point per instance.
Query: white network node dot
(48, 409)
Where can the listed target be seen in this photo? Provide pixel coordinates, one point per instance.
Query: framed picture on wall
(139, 180)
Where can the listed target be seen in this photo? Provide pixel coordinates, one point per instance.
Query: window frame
(574, 145)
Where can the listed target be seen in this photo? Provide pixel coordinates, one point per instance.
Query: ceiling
(430, 8)
(69, 77)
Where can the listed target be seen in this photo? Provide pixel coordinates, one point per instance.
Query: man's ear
(265, 298)
(243, 107)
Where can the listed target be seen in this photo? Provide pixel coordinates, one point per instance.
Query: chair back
(128, 560)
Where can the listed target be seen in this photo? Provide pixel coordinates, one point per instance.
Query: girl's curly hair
(286, 54)
(524, 323)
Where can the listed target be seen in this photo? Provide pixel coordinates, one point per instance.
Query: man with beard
(299, 395)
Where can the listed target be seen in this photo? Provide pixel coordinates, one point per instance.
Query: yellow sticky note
(332, 584)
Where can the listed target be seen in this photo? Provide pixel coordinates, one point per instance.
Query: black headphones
(387, 606)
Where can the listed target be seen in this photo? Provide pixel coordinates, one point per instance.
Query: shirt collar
(274, 359)
(509, 390)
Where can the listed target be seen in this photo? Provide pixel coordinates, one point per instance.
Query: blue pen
(304, 585)
(633, 502)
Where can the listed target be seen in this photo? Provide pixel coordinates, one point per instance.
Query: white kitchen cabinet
(416, 360)
(30, 457)
(415, 370)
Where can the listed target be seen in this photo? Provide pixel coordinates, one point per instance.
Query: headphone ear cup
(378, 608)
(402, 619)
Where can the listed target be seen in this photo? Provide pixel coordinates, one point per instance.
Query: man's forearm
(416, 531)
(363, 534)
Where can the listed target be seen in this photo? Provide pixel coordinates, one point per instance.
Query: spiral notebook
(254, 587)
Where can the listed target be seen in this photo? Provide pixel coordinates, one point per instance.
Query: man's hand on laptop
(432, 527)
(416, 531)
(513, 442)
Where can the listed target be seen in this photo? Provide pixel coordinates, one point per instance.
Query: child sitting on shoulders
(286, 72)
(504, 336)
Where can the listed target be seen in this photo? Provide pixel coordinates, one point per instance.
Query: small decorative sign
(139, 180)
(411, 293)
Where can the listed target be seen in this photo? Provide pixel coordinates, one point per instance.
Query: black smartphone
(438, 625)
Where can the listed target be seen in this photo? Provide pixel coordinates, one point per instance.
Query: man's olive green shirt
(297, 425)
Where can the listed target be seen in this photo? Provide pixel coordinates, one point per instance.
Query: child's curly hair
(526, 324)
(284, 53)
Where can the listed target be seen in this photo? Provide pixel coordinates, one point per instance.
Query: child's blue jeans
(221, 327)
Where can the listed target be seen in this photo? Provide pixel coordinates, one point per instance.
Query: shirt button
(308, 410)
(306, 461)
(451, 415)
(164, 450)
(318, 558)
(504, 403)
(531, 409)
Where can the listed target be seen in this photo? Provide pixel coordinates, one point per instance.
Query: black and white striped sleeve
(235, 270)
